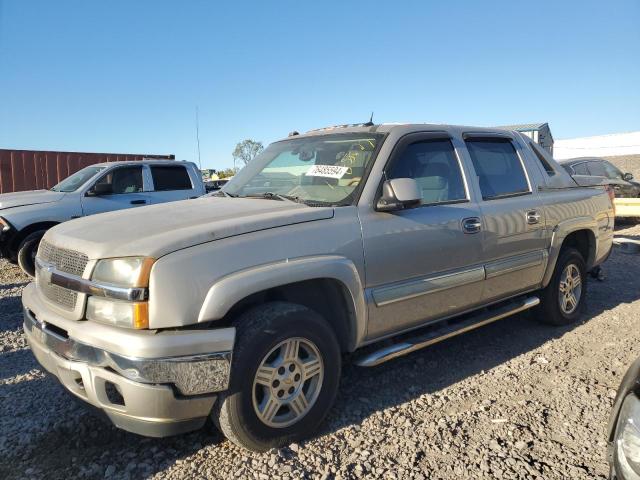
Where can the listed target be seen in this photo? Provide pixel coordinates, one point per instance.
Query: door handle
(471, 225)
(533, 217)
(138, 202)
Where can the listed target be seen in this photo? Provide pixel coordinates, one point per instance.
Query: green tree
(246, 151)
(226, 173)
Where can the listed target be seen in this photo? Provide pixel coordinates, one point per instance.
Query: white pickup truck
(103, 187)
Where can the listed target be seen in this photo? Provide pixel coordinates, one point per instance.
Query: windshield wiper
(221, 193)
(275, 196)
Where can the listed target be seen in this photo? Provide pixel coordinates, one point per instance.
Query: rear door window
(580, 169)
(498, 167)
(170, 178)
(597, 169)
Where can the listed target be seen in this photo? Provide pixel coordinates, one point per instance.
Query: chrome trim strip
(191, 374)
(49, 273)
(513, 264)
(423, 286)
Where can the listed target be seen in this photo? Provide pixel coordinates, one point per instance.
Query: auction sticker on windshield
(328, 171)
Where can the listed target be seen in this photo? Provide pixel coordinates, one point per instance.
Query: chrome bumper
(192, 375)
(133, 393)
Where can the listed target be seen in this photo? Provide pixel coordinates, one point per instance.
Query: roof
(524, 127)
(393, 127)
(568, 161)
(148, 161)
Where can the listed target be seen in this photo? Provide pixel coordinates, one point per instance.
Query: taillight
(612, 197)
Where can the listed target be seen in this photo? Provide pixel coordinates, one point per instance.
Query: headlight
(4, 225)
(127, 272)
(117, 312)
(627, 439)
(124, 272)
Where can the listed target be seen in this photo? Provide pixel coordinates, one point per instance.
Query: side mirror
(628, 177)
(398, 194)
(100, 189)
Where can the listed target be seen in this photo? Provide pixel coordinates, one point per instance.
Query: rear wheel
(27, 252)
(285, 376)
(562, 301)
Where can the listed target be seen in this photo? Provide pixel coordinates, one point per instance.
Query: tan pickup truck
(238, 306)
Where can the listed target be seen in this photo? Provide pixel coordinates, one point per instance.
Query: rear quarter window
(170, 178)
(498, 167)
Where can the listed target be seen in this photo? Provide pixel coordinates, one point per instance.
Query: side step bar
(437, 334)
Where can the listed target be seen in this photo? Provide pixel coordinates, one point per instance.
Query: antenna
(198, 137)
(370, 122)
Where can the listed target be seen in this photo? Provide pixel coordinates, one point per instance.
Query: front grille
(61, 296)
(67, 261)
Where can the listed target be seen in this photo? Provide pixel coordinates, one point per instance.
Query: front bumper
(155, 397)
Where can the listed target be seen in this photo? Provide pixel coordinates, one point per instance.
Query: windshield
(75, 181)
(319, 170)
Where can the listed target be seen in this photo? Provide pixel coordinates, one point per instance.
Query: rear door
(514, 244)
(171, 183)
(127, 191)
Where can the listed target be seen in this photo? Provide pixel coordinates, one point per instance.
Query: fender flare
(231, 289)
(561, 231)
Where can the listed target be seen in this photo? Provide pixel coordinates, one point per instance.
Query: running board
(438, 334)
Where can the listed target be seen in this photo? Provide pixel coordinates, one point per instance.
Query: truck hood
(31, 197)
(157, 230)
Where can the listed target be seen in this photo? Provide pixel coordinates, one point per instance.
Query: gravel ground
(515, 399)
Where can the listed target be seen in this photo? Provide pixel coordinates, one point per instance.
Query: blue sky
(126, 76)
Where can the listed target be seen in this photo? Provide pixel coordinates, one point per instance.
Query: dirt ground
(515, 399)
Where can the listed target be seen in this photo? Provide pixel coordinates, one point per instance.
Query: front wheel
(27, 252)
(562, 301)
(285, 376)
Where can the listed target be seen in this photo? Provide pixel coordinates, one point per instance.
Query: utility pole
(198, 137)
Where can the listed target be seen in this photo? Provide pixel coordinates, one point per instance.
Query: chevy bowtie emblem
(46, 274)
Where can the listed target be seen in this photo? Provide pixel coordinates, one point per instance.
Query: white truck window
(123, 180)
(170, 178)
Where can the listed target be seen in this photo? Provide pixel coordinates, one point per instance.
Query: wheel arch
(329, 285)
(29, 229)
(579, 233)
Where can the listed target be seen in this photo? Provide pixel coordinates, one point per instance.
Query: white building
(538, 132)
(614, 145)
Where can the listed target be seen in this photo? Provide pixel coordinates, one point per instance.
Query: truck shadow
(59, 437)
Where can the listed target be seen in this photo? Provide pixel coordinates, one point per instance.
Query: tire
(27, 252)
(259, 343)
(551, 310)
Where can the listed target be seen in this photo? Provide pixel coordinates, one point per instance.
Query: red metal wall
(33, 170)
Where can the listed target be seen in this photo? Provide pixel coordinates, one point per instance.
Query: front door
(514, 243)
(425, 262)
(120, 188)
